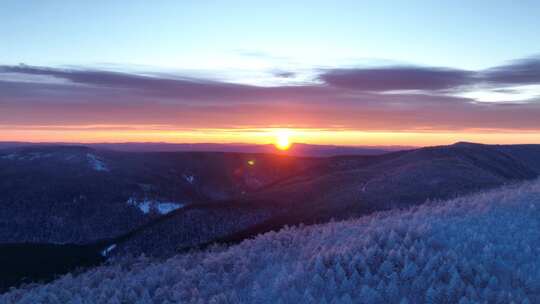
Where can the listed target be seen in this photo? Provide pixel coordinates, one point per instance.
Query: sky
(328, 72)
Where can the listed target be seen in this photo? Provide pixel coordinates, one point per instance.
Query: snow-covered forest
(482, 248)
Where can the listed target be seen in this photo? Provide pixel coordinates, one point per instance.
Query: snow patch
(189, 178)
(164, 208)
(146, 206)
(27, 156)
(96, 163)
(11, 156)
(36, 155)
(108, 250)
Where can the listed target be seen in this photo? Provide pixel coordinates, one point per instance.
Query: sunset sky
(328, 72)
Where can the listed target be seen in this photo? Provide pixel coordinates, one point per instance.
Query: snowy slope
(476, 249)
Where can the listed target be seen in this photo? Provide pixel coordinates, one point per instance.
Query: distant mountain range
(297, 149)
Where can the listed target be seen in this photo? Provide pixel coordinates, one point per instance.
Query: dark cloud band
(398, 78)
(351, 98)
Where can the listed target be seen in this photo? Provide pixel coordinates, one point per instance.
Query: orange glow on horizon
(277, 136)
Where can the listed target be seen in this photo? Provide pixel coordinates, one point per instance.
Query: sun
(282, 140)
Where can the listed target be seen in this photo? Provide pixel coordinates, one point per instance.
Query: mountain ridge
(297, 149)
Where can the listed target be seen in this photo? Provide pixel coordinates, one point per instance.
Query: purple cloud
(398, 78)
(520, 72)
(188, 89)
(349, 98)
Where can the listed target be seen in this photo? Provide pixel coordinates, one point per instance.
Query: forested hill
(72, 194)
(482, 248)
(77, 194)
(341, 188)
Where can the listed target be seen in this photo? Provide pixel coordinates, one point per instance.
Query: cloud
(398, 78)
(153, 85)
(179, 89)
(520, 72)
(402, 78)
(349, 98)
